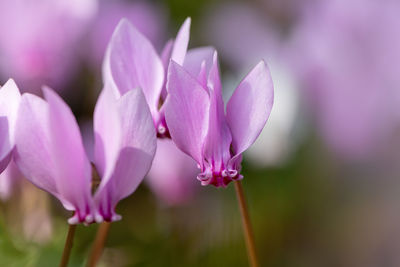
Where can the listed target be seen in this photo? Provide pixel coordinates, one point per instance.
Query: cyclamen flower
(49, 151)
(200, 127)
(132, 62)
(10, 98)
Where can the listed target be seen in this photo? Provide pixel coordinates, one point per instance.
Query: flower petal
(218, 141)
(166, 53)
(165, 58)
(32, 145)
(107, 133)
(10, 98)
(72, 170)
(186, 111)
(195, 57)
(137, 149)
(132, 62)
(181, 42)
(249, 107)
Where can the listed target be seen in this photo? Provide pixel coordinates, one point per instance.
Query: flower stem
(247, 229)
(68, 245)
(99, 242)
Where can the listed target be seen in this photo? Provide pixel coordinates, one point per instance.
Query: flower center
(220, 178)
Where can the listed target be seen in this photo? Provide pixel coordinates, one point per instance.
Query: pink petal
(186, 111)
(10, 178)
(49, 152)
(136, 152)
(166, 53)
(10, 98)
(132, 62)
(195, 57)
(107, 133)
(181, 43)
(218, 141)
(72, 170)
(249, 107)
(32, 145)
(165, 58)
(198, 62)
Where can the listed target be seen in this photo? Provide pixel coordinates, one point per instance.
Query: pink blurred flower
(199, 126)
(147, 18)
(347, 54)
(170, 176)
(49, 151)
(40, 39)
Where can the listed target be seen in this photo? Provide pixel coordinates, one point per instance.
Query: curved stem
(247, 229)
(68, 245)
(99, 242)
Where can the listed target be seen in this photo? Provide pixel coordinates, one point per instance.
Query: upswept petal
(218, 141)
(132, 62)
(166, 53)
(136, 152)
(107, 133)
(10, 98)
(72, 170)
(195, 57)
(181, 43)
(165, 58)
(186, 111)
(250, 106)
(32, 145)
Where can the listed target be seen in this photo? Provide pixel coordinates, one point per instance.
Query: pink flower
(200, 127)
(40, 39)
(132, 62)
(349, 64)
(171, 173)
(49, 151)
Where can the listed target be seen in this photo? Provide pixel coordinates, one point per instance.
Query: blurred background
(322, 179)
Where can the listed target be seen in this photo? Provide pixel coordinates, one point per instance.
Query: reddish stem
(247, 229)
(68, 245)
(99, 242)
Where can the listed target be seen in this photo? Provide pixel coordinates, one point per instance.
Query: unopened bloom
(50, 153)
(10, 98)
(131, 62)
(200, 127)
